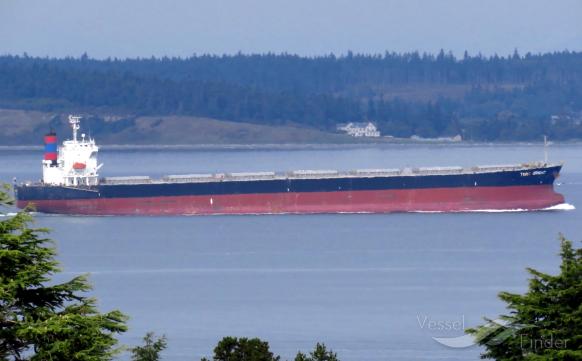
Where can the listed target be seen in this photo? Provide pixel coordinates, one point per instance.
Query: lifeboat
(79, 166)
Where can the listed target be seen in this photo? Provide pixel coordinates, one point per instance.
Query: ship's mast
(74, 120)
(546, 149)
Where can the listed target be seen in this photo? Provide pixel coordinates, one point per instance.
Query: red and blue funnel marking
(50, 147)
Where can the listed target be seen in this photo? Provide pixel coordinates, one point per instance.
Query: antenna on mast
(74, 120)
(546, 143)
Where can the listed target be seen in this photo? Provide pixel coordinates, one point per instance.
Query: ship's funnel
(50, 147)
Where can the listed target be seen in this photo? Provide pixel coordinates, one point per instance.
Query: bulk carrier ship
(71, 185)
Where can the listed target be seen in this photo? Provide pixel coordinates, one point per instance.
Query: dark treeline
(481, 98)
(331, 74)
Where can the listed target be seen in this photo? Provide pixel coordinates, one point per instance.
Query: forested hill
(482, 98)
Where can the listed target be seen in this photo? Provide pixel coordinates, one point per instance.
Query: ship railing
(126, 180)
(250, 176)
(82, 187)
(306, 173)
(498, 167)
(188, 178)
(438, 170)
(374, 172)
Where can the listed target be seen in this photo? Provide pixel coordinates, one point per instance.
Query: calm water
(359, 283)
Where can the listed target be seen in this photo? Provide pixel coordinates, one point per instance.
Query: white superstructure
(76, 164)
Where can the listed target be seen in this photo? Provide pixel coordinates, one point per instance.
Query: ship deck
(323, 174)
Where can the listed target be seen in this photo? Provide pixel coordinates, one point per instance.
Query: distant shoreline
(299, 146)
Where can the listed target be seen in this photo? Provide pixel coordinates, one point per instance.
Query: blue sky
(131, 28)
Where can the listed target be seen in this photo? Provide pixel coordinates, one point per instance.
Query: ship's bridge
(76, 164)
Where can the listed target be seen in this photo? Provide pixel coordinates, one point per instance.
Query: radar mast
(75, 121)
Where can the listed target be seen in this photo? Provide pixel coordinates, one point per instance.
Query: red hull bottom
(382, 201)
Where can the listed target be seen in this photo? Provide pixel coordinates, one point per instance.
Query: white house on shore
(355, 129)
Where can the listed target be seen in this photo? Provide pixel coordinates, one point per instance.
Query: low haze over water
(361, 283)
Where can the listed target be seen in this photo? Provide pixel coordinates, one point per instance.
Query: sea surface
(371, 287)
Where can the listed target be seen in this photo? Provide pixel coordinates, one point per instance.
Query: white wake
(557, 207)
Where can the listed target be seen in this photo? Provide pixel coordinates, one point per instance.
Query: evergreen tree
(545, 323)
(243, 349)
(41, 320)
(320, 353)
(151, 349)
